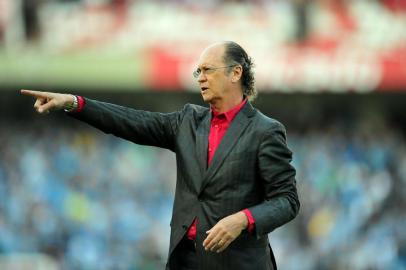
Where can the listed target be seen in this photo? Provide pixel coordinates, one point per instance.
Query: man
(234, 184)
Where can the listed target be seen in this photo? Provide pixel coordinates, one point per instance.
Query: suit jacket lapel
(202, 135)
(234, 131)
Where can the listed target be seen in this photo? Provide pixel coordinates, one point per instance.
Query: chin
(206, 97)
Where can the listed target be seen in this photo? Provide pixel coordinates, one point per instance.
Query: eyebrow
(206, 66)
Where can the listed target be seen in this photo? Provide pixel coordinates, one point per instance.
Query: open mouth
(203, 88)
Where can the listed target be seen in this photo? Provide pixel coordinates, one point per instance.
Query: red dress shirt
(218, 127)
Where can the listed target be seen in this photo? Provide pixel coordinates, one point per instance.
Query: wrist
(244, 220)
(71, 104)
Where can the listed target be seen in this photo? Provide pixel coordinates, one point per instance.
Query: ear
(236, 74)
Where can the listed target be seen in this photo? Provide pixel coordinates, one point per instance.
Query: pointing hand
(46, 101)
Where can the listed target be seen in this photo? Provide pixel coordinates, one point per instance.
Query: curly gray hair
(235, 54)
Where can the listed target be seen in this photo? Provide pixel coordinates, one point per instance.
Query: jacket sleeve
(141, 127)
(281, 203)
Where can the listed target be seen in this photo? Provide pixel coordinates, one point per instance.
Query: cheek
(217, 84)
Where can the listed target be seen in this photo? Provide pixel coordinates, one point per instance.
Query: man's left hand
(224, 232)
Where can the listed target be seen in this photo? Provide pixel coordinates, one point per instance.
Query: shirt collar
(230, 114)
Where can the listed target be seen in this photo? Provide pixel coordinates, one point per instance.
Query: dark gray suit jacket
(250, 169)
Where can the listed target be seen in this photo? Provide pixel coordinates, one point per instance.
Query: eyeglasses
(207, 70)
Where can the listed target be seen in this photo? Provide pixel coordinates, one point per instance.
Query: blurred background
(333, 71)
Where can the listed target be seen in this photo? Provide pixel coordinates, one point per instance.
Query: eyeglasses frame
(199, 71)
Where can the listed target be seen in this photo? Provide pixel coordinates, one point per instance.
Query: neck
(224, 105)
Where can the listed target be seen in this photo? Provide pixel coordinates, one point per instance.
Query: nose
(201, 77)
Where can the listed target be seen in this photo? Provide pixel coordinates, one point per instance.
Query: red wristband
(81, 103)
(251, 221)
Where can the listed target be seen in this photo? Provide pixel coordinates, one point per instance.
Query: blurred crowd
(351, 181)
(89, 201)
(29, 18)
(93, 201)
(297, 45)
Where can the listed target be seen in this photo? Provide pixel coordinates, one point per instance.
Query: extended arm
(142, 127)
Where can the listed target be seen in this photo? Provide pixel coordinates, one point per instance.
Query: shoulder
(271, 131)
(194, 111)
(268, 124)
(195, 108)
(261, 122)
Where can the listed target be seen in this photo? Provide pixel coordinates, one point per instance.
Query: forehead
(212, 55)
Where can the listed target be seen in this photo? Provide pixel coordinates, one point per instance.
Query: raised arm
(141, 127)
(138, 126)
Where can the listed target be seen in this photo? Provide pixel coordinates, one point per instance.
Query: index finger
(38, 94)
